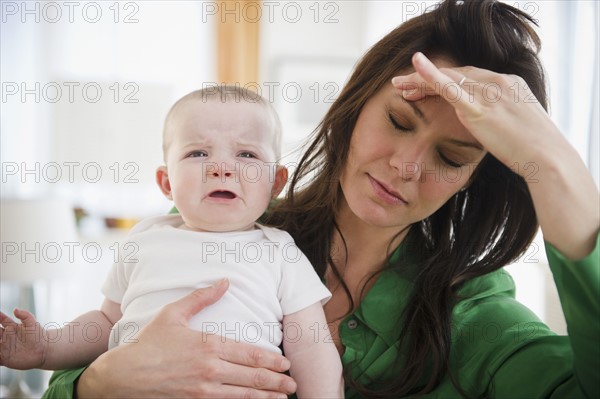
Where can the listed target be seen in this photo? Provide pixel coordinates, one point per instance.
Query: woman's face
(406, 159)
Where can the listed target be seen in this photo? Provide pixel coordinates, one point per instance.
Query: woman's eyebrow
(417, 111)
(414, 107)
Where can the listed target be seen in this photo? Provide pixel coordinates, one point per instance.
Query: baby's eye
(195, 154)
(246, 154)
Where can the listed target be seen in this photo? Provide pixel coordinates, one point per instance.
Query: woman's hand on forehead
(503, 114)
(499, 110)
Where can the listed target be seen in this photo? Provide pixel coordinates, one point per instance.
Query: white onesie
(269, 277)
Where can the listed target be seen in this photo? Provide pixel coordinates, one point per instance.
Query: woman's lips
(386, 193)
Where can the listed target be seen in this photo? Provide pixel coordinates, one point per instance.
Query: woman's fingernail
(285, 364)
(422, 59)
(220, 283)
(408, 93)
(397, 80)
(291, 387)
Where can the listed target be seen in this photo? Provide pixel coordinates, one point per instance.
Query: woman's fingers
(252, 356)
(184, 309)
(450, 84)
(246, 365)
(239, 353)
(233, 352)
(257, 378)
(243, 393)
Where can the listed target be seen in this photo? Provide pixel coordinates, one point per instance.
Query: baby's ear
(162, 179)
(281, 177)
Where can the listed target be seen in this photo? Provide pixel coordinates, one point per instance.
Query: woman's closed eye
(448, 161)
(397, 125)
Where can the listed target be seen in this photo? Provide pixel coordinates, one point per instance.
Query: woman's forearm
(566, 199)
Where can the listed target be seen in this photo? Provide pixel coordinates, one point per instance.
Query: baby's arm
(316, 365)
(28, 345)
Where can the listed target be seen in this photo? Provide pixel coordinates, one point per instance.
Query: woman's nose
(410, 163)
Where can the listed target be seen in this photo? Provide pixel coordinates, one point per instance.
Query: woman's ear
(162, 179)
(281, 176)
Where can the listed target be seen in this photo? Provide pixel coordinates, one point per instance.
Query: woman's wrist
(91, 382)
(82, 388)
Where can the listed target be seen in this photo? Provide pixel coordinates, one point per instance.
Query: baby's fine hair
(228, 94)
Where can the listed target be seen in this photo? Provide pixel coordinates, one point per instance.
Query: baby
(221, 147)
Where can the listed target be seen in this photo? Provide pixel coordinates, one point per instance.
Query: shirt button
(352, 324)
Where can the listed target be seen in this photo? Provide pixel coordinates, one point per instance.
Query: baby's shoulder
(276, 235)
(156, 222)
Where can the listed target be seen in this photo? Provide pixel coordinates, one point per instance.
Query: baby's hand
(22, 345)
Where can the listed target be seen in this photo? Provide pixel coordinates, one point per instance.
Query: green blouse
(499, 347)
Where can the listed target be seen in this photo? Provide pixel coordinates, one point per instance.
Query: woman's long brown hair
(479, 230)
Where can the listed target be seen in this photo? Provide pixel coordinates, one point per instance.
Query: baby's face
(220, 168)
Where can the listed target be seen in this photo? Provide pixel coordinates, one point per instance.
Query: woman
(412, 212)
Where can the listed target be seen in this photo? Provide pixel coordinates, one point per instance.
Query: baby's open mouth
(222, 194)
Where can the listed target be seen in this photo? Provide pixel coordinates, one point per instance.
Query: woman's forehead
(431, 110)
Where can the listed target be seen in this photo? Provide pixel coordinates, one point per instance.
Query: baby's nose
(221, 169)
